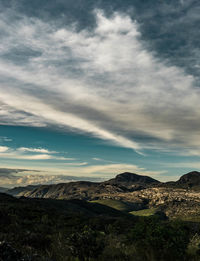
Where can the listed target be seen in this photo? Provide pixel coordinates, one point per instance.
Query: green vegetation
(116, 204)
(144, 212)
(190, 218)
(75, 230)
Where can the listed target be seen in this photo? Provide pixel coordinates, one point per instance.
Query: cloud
(109, 170)
(104, 82)
(37, 179)
(23, 153)
(93, 173)
(5, 139)
(10, 174)
(37, 150)
(52, 179)
(3, 149)
(102, 160)
(74, 164)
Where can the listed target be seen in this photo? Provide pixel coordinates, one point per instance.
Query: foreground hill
(33, 229)
(38, 229)
(67, 207)
(111, 220)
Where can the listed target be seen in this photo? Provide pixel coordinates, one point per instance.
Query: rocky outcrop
(174, 202)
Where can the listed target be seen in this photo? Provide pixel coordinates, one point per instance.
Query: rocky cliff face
(174, 202)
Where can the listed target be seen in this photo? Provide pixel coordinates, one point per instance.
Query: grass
(144, 212)
(116, 204)
(189, 218)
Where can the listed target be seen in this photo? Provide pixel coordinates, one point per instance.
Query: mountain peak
(128, 179)
(191, 179)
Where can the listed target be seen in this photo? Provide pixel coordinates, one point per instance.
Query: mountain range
(125, 182)
(128, 191)
(122, 183)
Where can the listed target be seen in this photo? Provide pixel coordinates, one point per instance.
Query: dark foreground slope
(39, 229)
(60, 230)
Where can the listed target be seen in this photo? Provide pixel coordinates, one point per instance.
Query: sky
(90, 89)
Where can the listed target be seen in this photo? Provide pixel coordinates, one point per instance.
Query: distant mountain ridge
(19, 191)
(123, 183)
(2, 189)
(131, 180)
(191, 179)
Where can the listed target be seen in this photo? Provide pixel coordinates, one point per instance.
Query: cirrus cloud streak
(103, 82)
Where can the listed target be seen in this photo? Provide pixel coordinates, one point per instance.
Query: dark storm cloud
(60, 12)
(167, 27)
(20, 55)
(170, 29)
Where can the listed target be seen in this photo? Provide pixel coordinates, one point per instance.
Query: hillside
(19, 191)
(72, 190)
(2, 189)
(67, 207)
(190, 181)
(117, 204)
(60, 230)
(124, 182)
(129, 192)
(113, 219)
(132, 181)
(37, 229)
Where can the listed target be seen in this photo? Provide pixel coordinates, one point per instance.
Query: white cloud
(36, 157)
(37, 150)
(30, 154)
(3, 149)
(104, 82)
(5, 139)
(110, 170)
(74, 164)
(72, 173)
